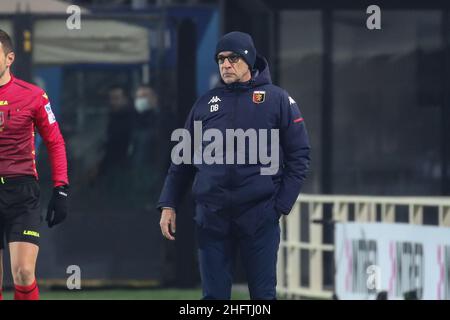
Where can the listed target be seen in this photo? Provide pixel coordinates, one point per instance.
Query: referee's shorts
(20, 217)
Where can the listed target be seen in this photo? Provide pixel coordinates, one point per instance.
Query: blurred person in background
(237, 207)
(147, 127)
(24, 107)
(150, 156)
(111, 174)
(119, 131)
(147, 147)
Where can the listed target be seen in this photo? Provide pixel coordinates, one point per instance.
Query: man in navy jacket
(246, 146)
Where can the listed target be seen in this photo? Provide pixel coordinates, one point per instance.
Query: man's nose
(226, 63)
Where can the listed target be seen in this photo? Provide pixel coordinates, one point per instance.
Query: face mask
(141, 105)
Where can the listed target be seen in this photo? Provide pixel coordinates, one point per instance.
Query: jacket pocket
(211, 217)
(269, 184)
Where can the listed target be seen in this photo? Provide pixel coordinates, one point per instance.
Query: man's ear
(10, 59)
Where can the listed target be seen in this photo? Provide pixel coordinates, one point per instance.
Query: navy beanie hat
(240, 43)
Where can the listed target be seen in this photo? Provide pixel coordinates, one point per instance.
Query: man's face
(235, 70)
(6, 60)
(147, 93)
(117, 99)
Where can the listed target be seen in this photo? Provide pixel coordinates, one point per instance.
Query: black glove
(57, 208)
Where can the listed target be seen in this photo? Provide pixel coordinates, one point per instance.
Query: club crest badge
(259, 96)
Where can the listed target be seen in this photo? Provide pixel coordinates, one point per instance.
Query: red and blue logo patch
(259, 96)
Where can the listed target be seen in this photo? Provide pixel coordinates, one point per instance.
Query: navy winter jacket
(227, 194)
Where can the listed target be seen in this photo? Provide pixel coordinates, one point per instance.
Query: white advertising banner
(97, 41)
(396, 258)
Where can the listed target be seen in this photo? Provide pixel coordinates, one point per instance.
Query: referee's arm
(48, 128)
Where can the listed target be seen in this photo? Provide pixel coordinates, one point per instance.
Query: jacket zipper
(233, 166)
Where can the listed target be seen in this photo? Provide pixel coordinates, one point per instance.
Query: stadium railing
(303, 242)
